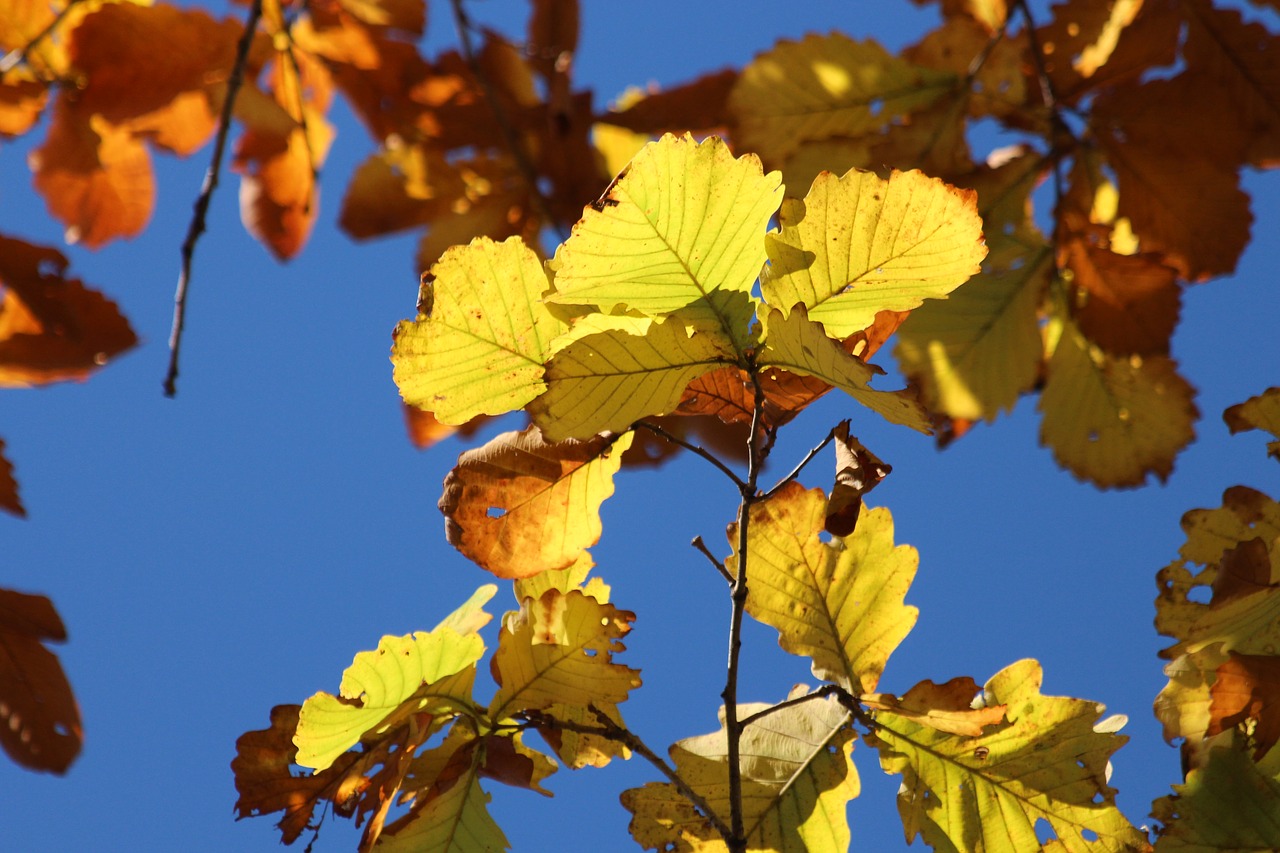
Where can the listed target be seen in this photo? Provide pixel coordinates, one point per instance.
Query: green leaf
(840, 604)
(797, 781)
(1111, 420)
(858, 245)
(798, 345)
(610, 380)
(382, 689)
(558, 650)
(1229, 804)
(479, 344)
(1048, 762)
(683, 221)
(519, 506)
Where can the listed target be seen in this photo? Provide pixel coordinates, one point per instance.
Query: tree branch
(693, 448)
(795, 472)
(702, 546)
(201, 210)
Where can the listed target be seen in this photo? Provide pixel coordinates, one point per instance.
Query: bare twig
(821, 693)
(795, 472)
(612, 731)
(509, 136)
(1049, 92)
(692, 448)
(201, 210)
(17, 57)
(702, 546)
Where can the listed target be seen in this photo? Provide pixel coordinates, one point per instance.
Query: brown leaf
(39, 719)
(399, 188)
(425, 431)
(999, 85)
(1090, 45)
(946, 707)
(1260, 412)
(266, 783)
(22, 99)
(9, 499)
(858, 471)
(1129, 303)
(95, 177)
(52, 328)
(1247, 689)
(553, 37)
(701, 104)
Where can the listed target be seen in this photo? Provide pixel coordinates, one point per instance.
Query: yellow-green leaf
(559, 650)
(519, 506)
(421, 672)
(1048, 762)
(1260, 412)
(684, 220)
(858, 245)
(823, 87)
(456, 821)
(1227, 805)
(839, 603)
(479, 344)
(797, 781)
(610, 380)
(798, 345)
(1114, 420)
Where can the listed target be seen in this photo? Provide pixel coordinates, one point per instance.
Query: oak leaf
(39, 718)
(1260, 412)
(945, 707)
(1227, 804)
(455, 821)
(519, 506)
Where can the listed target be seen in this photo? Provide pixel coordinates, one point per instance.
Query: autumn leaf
(797, 779)
(481, 336)
(456, 821)
(10, 501)
(1113, 421)
(1048, 762)
(797, 344)
(1260, 412)
(519, 505)
(23, 98)
(1228, 804)
(558, 650)
(858, 245)
(39, 718)
(858, 471)
(945, 707)
(839, 603)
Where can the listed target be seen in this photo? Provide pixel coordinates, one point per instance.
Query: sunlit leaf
(457, 821)
(1047, 763)
(1228, 804)
(1260, 412)
(858, 245)
(839, 603)
(1130, 302)
(519, 506)
(39, 718)
(945, 707)
(482, 335)
(22, 100)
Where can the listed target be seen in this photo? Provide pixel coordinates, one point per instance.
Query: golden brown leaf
(399, 187)
(39, 719)
(1260, 412)
(1089, 45)
(998, 87)
(1246, 694)
(1128, 303)
(95, 177)
(858, 471)
(22, 99)
(699, 105)
(9, 498)
(947, 707)
(553, 37)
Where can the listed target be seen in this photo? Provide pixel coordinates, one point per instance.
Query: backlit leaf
(1047, 763)
(858, 245)
(1113, 421)
(482, 335)
(839, 603)
(558, 650)
(1228, 804)
(457, 821)
(797, 344)
(610, 380)
(1260, 412)
(945, 707)
(1130, 302)
(519, 506)
(39, 718)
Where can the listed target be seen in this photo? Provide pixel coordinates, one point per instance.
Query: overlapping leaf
(482, 335)
(839, 603)
(858, 245)
(456, 821)
(1048, 762)
(945, 707)
(1228, 804)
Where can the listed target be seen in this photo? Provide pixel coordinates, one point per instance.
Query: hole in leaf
(1044, 831)
(1200, 594)
(496, 512)
(1089, 835)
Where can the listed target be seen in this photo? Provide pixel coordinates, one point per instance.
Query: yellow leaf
(798, 345)
(858, 245)
(1048, 763)
(683, 221)
(519, 506)
(944, 707)
(610, 380)
(840, 604)
(825, 86)
(1112, 421)
(1260, 412)
(455, 821)
(479, 344)
(559, 651)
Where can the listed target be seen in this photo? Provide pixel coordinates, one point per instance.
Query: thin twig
(821, 693)
(702, 546)
(795, 472)
(693, 448)
(1057, 123)
(201, 210)
(19, 56)
(521, 157)
(612, 731)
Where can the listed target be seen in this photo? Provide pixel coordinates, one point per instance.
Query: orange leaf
(95, 177)
(9, 499)
(39, 720)
(22, 99)
(1130, 302)
(52, 328)
(701, 104)
(946, 707)
(1247, 688)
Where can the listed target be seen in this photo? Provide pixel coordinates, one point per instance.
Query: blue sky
(232, 549)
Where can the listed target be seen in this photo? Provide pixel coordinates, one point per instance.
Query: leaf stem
(201, 207)
(693, 448)
(821, 693)
(702, 546)
(795, 472)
